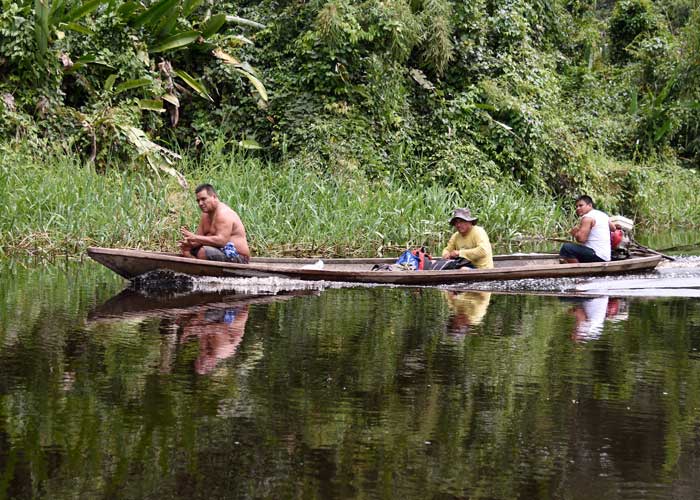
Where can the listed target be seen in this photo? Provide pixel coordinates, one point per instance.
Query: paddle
(649, 250)
(677, 248)
(638, 247)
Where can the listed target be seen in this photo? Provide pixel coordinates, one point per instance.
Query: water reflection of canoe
(215, 322)
(132, 304)
(132, 263)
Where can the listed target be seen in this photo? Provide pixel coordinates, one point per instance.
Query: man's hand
(453, 254)
(188, 236)
(574, 231)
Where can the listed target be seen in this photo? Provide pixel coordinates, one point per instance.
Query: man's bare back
(218, 226)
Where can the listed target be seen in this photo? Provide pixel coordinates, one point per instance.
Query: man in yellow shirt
(469, 242)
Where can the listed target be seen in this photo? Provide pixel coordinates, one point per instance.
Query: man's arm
(478, 251)
(446, 253)
(221, 226)
(584, 229)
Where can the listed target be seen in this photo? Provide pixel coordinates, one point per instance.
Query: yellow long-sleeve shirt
(475, 247)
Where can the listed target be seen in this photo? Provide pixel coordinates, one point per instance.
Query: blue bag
(409, 260)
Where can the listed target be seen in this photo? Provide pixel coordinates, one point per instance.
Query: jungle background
(343, 127)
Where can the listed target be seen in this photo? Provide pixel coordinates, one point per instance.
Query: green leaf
(126, 9)
(172, 99)
(87, 58)
(57, 8)
(634, 102)
(666, 90)
(157, 156)
(189, 6)
(155, 12)
(152, 105)
(213, 25)
(132, 84)
(663, 130)
(243, 40)
(179, 40)
(193, 83)
(166, 25)
(486, 107)
(226, 58)
(256, 83)
(249, 144)
(41, 25)
(92, 59)
(83, 10)
(109, 82)
(244, 22)
(78, 28)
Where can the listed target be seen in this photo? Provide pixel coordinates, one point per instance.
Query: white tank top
(599, 237)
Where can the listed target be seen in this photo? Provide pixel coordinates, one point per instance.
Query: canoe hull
(133, 263)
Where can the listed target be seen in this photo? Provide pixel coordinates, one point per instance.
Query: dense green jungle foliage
(546, 98)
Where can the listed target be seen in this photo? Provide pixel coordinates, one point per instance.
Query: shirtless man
(220, 234)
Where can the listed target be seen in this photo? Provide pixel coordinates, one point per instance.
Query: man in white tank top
(592, 234)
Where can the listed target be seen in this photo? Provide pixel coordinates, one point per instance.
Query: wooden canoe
(132, 263)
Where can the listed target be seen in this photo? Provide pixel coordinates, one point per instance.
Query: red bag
(616, 238)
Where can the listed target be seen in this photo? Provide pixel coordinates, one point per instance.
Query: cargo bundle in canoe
(132, 263)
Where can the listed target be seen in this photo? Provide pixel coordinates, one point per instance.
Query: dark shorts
(578, 252)
(221, 315)
(218, 255)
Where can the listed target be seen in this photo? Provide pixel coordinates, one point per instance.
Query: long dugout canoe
(132, 263)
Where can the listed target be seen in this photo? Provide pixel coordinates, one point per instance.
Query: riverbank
(56, 205)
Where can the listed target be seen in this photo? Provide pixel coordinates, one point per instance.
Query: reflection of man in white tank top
(592, 234)
(590, 318)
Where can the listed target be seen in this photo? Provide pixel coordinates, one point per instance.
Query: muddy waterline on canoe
(309, 391)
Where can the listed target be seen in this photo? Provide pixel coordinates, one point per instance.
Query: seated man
(592, 234)
(220, 234)
(469, 242)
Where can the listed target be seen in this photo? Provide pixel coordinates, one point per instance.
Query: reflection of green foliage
(350, 393)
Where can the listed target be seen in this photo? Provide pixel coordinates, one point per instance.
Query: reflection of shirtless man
(219, 332)
(220, 234)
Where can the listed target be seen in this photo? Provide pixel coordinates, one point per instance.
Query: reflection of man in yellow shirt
(467, 308)
(469, 242)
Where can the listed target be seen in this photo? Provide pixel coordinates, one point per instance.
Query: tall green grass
(57, 205)
(53, 204)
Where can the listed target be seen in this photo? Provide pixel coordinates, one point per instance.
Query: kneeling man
(220, 234)
(592, 234)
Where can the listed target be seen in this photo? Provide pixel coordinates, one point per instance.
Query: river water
(302, 391)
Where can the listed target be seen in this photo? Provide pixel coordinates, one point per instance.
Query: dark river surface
(275, 390)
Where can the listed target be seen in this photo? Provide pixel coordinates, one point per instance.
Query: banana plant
(165, 28)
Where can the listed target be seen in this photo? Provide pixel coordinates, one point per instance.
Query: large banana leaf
(193, 83)
(154, 13)
(82, 10)
(152, 105)
(78, 28)
(243, 68)
(157, 156)
(244, 22)
(126, 9)
(132, 84)
(256, 83)
(41, 24)
(175, 41)
(213, 25)
(189, 6)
